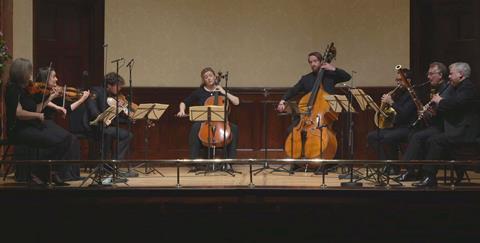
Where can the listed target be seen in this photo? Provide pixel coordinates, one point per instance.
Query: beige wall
(23, 29)
(262, 43)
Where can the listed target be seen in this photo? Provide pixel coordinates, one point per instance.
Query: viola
(316, 120)
(215, 133)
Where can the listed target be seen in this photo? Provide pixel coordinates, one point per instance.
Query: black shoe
(119, 180)
(35, 181)
(408, 176)
(427, 182)
(460, 176)
(128, 174)
(58, 181)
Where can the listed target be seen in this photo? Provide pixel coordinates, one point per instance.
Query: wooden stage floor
(264, 179)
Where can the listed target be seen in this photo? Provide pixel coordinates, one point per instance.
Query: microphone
(131, 62)
(105, 45)
(117, 60)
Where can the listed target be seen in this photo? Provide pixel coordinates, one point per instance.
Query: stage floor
(264, 179)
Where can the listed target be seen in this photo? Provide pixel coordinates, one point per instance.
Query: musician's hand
(436, 99)
(328, 66)
(62, 110)
(281, 106)
(54, 94)
(41, 117)
(386, 98)
(181, 113)
(85, 95)
(220, 89)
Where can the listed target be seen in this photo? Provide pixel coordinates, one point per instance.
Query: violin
(73, 94)
(313, 136)
(34, 88)
(215, 133)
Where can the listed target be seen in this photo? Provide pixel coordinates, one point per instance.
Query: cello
(215, 134)
(313, 136)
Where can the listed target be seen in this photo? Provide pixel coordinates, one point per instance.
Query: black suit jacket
(306, 82)
(459, 109)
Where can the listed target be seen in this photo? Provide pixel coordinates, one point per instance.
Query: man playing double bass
(332, 77)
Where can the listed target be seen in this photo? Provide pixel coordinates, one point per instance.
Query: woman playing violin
(207, 89)
(27, 125)
(49, 77)
(57, 104)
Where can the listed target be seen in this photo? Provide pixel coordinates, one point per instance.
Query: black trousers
(439, 149)
(124, 138)
(417, 144)
(195, 145)
(386, 141)
(54, 143)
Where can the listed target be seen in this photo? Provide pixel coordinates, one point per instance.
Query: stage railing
(352, 165)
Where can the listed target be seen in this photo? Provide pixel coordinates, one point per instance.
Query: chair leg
(7, 171)
(7, 166)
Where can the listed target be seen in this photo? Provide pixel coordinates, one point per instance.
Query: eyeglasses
(432, 73)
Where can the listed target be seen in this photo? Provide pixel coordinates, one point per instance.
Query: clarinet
(427, 106)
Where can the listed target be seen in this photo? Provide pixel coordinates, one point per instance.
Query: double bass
(215, 134)
(313, 136)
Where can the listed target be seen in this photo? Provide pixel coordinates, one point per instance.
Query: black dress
(53, 142)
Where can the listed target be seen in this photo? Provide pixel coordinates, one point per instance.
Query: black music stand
(150, 113)
(209, 114)
(99, 174)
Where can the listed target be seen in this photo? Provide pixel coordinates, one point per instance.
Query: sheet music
(152, 111)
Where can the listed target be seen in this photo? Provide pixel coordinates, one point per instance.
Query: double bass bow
(313, 136)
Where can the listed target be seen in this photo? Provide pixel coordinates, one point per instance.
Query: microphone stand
(117, 128)
(350, 124)
(130, 173)
(227, 168)
(266, 166)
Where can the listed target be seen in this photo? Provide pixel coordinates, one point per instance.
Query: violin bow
(45, 87)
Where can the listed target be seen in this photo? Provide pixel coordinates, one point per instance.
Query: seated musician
(432, 124)
(333, 76)
(27, 125)
(386, 141)
(207, 88)
(97, 105)
(461, 121)
(67, 172)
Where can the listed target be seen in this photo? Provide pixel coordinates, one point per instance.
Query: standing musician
(332, 77)
(207, 88)
(401, 101)
(48, 76)
(27, 125)
(97, 105)
(437, 76)
(461, 121)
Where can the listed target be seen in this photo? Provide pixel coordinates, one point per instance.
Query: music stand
(98, 174)
(150, 112)
(210, 113)
(366, 102)
(105, 117)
